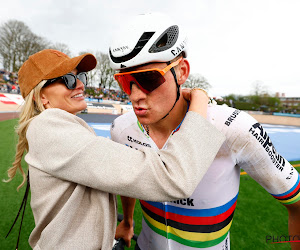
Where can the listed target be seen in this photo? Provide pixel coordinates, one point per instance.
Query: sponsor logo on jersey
(185, 202)
(262, 137)
(129, 138)
(226, 246)
(231, 118)
(291, 173)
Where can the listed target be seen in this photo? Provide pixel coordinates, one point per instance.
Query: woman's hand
(198, 100)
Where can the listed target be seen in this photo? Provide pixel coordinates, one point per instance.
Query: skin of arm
(294, 223)
(125, 229)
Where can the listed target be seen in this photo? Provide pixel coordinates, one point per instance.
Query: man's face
(150, 108)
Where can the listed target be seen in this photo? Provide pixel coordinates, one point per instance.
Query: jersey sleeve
(119, 125)
(115, 132)
(255, 153)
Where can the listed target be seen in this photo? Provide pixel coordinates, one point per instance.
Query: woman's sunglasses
(147, 80)
(70, 80)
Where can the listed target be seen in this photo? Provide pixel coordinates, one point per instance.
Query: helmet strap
(178, 90)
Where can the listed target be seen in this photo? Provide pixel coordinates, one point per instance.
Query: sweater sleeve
(64, 147)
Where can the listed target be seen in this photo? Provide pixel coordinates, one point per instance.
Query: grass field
(257, 214)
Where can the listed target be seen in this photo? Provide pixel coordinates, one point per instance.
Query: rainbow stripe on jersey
(291, 196)
(198, 228)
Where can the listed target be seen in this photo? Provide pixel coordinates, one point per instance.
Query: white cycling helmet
(146, 38)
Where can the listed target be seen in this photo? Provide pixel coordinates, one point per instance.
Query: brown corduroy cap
(48, 64)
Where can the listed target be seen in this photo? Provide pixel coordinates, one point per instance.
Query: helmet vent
(166, 40)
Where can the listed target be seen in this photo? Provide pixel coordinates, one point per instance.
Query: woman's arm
(62, 145)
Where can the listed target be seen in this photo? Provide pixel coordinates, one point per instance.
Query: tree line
(259, 100)
(18, 42)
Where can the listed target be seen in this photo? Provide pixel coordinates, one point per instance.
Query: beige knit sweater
(74, 176)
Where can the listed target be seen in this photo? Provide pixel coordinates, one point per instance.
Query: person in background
(73, 186)
(149, 51)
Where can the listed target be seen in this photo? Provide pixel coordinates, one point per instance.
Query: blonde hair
(32, 107)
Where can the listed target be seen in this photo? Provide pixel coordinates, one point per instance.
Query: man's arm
(125, 228)
(294, 223)
(259, 158)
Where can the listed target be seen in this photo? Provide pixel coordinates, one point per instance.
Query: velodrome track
(285, 138)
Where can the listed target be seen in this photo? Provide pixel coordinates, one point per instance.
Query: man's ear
(184, 71)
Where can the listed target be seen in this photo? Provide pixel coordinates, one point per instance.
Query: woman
(74, 174)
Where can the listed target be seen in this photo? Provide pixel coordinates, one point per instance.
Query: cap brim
(82, 63)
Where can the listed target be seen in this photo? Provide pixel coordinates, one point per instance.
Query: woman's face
(57, 95)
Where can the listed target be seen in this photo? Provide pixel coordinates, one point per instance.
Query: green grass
(257, 214)
(10, 198)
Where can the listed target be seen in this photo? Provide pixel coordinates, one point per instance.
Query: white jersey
(204, 219)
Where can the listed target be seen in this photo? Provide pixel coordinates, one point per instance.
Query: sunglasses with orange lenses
(147, 79)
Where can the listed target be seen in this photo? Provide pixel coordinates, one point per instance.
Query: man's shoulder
(123, 122)
(230, 121)
(126, 119)
(220, 113)
(220, 109)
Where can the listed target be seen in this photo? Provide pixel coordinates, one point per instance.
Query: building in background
(291, 104)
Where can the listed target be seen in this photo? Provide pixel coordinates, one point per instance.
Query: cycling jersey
(204, 219)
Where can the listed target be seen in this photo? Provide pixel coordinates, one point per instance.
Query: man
(150, 54)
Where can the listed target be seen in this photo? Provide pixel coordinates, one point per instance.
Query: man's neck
(160, 131)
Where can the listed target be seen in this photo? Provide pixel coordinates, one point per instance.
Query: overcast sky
(232, 43)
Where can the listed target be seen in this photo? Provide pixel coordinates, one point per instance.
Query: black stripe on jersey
(290, 197)
(189, 227)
